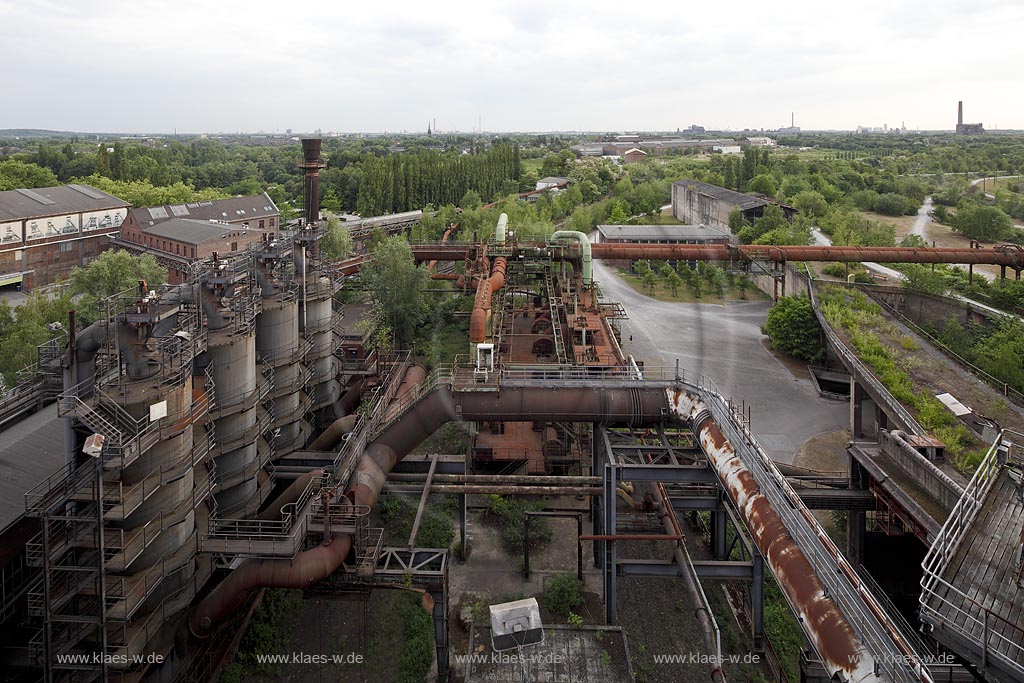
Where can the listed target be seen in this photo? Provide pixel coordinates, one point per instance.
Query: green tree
(395, 284)
(763, 184)
(16, 175)
(673, 282)
(982, 222)
(1002, 353)
(337, 240)
(113, 271)
(471, 200)
(811, 203)
(618, 215)
(650, 280)
(794, 329)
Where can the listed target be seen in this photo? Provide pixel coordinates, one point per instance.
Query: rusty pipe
(440, 405)
(330, 437)
(524, 480)
(444, 241)
(841, 651)
(500, 490)
(693, 252)
(289, 495)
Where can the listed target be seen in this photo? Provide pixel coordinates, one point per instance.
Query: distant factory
(966, 128)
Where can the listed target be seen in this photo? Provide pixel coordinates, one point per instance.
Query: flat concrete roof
(30, 451)
(569, 654)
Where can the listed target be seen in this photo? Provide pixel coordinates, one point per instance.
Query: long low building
(657, 234)
(697, 202)
(178, 242)
(47, 231)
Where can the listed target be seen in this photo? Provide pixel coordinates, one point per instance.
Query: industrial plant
(202, 441)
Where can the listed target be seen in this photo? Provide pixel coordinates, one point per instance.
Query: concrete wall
(924, 473)
(928, 309)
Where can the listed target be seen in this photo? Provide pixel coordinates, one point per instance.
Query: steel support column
(609, 568)
(757, 600)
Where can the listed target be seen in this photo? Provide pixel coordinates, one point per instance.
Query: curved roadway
(725, 343)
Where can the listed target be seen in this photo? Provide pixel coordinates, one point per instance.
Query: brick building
(257, 212)
(178, 242)
(47, 231)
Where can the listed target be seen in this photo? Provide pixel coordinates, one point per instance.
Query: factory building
(178, 242)
(966, 128)
(701, 203)
(47, 231)
(258, 212)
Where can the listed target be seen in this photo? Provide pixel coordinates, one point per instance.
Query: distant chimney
(311, 183)
(960, 113)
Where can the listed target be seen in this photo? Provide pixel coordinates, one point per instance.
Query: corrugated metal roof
(30, 451)
(660, 233)
(737, 199)
(230, 210)
(18, 205)
(195, 232)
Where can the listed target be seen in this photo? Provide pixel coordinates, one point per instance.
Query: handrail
(947, 543)
(894, 655)
(855, 363)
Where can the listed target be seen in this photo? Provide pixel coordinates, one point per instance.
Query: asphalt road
(725, 343)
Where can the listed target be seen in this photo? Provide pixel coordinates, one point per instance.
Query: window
(261, 224)
(234, 246)
(271, 222)
(66, 246)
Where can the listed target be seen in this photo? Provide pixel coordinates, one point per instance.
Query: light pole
(94, 448)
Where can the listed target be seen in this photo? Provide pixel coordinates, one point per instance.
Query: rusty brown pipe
(444, 240)
(577, 404)
(693, 252)
(331, 436)
(482, 303)
(289, 495)
(827, 629)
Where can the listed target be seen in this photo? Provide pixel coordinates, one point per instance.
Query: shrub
(794, 329)
(562, 593)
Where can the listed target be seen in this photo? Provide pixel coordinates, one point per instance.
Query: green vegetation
(982, 222)
(399, 636)
(705, 283)
(394, 283)
(337, 240)
(112, 272)
(862, 321)
(562, 594)
(437, 527)
(268, 632)
(781, 628)
(509, 513)
(25, 327)
(794, 329)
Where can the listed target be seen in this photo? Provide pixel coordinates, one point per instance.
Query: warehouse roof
(737, 199)
(553, 180)
(227, 210)
(18, 205)
(195, 232)
(660, 233)
(30, 451)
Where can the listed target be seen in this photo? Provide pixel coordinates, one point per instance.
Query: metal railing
(854, 363)
(893, 655)
(938, 595)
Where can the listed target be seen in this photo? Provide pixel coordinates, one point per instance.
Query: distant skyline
(149, 66)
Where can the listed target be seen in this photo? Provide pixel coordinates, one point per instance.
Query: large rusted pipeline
(331, 436)
(695, 252)
(841, 651)
(441, 405)
(444, 241)
(290, 494)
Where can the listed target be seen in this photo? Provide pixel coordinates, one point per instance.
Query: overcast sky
(524, 65)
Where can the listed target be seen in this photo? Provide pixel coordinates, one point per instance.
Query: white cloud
(193, 65)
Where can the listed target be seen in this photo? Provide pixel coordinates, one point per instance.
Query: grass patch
(401, 633)
(865, 327)
(747, 292)
(509, 514)
(437, 528)
(267, 632)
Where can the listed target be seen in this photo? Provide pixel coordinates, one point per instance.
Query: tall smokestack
(311, 185)
(960, 113)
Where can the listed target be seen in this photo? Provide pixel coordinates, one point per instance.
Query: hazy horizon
(108, 66)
